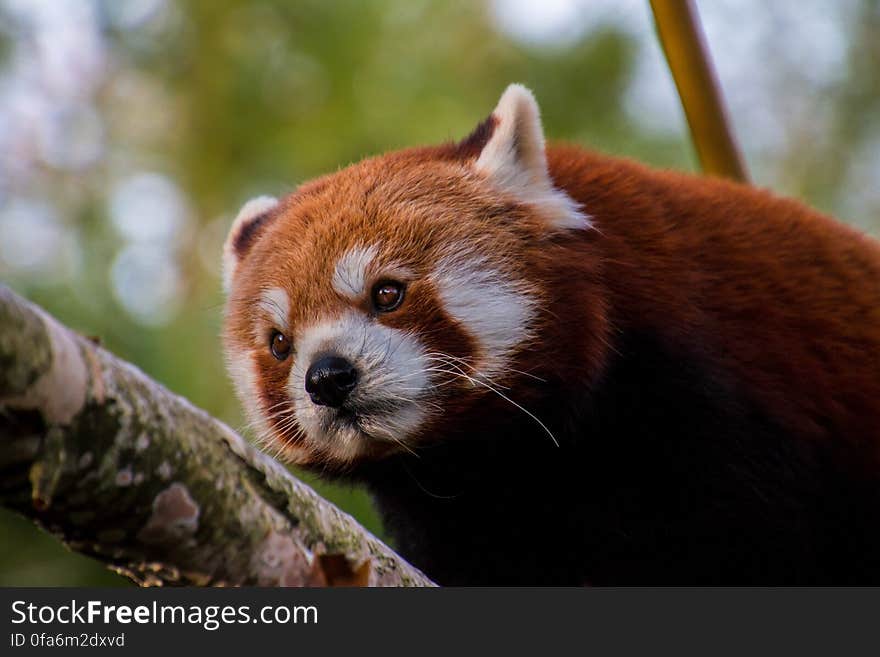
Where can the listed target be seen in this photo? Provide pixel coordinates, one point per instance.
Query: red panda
(551, 366)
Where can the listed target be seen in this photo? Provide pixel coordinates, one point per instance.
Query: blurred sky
(131, 131)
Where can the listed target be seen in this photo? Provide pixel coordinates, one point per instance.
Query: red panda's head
(370, 307)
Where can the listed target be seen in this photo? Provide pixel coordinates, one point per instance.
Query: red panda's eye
(279, 345)
(387, 296)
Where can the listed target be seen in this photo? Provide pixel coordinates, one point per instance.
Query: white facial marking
(250, 211)
(494, 310)
(350, 274)
(514, 159)
(387, 401)
(242, 370)
(276, 304)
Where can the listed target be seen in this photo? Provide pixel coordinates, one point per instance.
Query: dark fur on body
(665, 476)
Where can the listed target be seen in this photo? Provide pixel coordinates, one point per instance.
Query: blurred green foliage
(231, 98)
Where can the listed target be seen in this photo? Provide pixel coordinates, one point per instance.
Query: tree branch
(123, 470)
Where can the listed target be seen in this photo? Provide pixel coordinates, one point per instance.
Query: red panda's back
(782, 298)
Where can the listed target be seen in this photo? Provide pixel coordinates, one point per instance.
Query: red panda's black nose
(329, 380)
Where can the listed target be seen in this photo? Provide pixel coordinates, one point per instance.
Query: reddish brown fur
(782, 297)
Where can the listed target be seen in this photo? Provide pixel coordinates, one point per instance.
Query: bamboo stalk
(678, 26)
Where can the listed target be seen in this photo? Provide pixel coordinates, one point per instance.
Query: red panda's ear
(514, 160)
(253, 217)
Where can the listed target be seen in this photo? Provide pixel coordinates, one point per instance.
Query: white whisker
(458, 372)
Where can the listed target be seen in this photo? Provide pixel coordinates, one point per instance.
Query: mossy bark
(123, 470)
